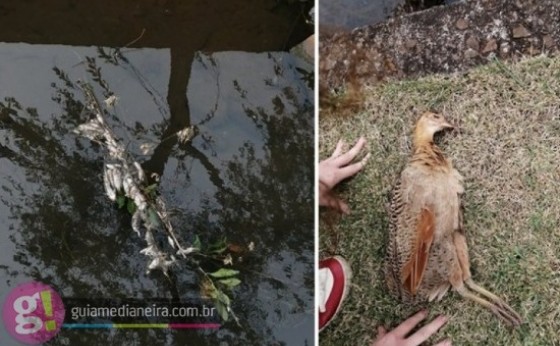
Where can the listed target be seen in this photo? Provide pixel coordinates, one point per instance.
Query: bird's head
(428, 125)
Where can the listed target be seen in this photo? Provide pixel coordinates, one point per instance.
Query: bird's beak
(447, 125)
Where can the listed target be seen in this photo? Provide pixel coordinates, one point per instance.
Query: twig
(136, 39)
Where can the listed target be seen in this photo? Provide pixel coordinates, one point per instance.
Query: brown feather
(429, 154)
(414, 269)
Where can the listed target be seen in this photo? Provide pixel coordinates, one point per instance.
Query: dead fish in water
(187, 251)
(160, 263)
(132, 191)
(92, 129)
(149, 251)
(137, 222)
(116, 177)
(109, 189)
(141, 174)
(125, 176)
(171, 242)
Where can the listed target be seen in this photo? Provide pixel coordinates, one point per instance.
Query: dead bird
(427, 252)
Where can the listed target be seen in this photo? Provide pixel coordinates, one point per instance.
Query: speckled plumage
(427, 251)
(428, 180)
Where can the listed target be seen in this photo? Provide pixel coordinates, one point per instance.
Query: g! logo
(33, 313)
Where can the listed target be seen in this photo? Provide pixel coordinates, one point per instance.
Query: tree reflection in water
(247, 174)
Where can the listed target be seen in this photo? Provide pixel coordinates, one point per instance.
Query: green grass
(508, 150)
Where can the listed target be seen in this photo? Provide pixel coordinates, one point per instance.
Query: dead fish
(160, 263)
(91, 129)
(141, 174)
(100, 118)
(128, 183)
(186, 251)
(139, 199)
(171, 242)
(109, 190)
(117, 178)
(149, 251)
(137, 222)
(149, 237)
(147, 148)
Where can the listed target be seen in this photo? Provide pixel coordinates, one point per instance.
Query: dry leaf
(185, 134)
(111, 101)
(228, 260)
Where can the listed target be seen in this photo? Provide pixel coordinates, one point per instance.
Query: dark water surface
(247, 174)
(337, 15)
(344, 14)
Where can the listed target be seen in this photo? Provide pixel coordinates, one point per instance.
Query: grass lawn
(508, 150)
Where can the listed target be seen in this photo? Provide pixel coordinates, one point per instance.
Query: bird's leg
(506, 314)
(495, 304)
(462, 251)
(492, 297)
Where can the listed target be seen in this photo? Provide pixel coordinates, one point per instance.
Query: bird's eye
(436, 116)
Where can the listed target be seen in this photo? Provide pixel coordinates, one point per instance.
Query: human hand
(336, 168)
(398, 336)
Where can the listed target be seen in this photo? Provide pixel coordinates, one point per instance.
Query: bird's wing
(411, 231)
(414, 268)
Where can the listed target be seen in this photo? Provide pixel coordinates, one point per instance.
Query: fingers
(334, 169)
(327, 199)
(425, 332)
(338, 149)
(399, 334)
(336, 204)
(352, 169)
(346, 158)
(343, 207)
(381, 331)
(405, 327)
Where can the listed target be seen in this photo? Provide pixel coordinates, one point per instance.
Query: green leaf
(121, 201)
(224, 273)
(218, 247)
(222, 297)
(153, 217)
(230, 282)
(150, 188)
(222, 310)
(196, 243)
(131, 206)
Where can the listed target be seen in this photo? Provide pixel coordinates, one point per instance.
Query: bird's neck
(422, 136)
(427, 153)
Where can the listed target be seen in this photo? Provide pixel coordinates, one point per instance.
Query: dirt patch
(441, 39)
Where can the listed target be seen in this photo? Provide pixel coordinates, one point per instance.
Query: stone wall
(441, 39)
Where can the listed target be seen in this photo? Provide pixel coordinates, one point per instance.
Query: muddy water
(247, 174)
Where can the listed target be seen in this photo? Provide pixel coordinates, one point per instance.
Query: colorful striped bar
(141, 325)
(194, 325)
(88, 326)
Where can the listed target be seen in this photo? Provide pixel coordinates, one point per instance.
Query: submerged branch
(125, 176)
(125, 183)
